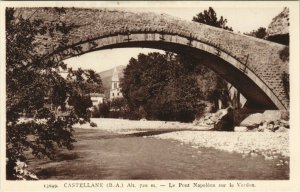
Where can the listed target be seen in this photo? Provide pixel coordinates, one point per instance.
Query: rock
(276, 126)
(208, 116)
(271, 115)
(284, 123)
(210, 122)
(240, 129)
(205, 120)
(214, 117)
(270, 127)
(285, 115)
(225, 122)
(254, 130)
(253, 120)
(267, 130)
(265, 124)
(282, 129)
(261, 128)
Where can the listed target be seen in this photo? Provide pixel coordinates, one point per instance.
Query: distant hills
(106, 78)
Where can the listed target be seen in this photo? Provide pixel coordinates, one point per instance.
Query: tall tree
(162, 86)
(209, 17)
(35, 88)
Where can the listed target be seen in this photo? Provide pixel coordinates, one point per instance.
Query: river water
(103, 155)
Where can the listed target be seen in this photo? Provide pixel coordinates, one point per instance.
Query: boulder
(285, 115)
(272, 115)
(261, 128)
(254, 130)
(205, 120)
(270, 127)
(226, 121)
(253, 120)
(240, 129)
(267, 130)
(284, 123)
(282, 129)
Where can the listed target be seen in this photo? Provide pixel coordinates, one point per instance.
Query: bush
(92, 124)
(102, 110)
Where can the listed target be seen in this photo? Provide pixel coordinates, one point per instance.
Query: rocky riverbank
(127, 126)
(267, 144)
(270, 145)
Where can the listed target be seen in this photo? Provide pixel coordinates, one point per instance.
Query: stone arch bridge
(254, 66)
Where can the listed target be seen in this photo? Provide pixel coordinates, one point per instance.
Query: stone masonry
(252, 65)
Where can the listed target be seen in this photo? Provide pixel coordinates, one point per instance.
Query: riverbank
(124, 126)
(267, 144)
(270, 145)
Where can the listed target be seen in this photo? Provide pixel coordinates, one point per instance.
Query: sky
(241, 19)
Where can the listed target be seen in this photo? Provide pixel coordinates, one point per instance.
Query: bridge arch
(252, 65)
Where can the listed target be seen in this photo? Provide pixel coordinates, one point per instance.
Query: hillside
(106, 78)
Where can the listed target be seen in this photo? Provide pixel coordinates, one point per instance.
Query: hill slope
(106, 78)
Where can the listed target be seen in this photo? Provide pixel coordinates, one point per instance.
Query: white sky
(241, 19)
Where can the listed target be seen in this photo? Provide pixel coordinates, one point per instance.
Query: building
(115, 91)
(97, 98)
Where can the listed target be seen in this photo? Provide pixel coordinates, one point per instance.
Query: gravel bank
(270, 145)
(126, 126)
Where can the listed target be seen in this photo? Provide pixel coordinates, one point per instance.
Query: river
(99, 154)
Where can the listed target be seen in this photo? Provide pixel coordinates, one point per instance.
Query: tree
(260, 33)
(87, 80)
(118, 104)
(35, 87)
(209, 17)
(162, 86)
(102, 110)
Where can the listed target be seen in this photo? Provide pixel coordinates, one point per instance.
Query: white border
(289, 185)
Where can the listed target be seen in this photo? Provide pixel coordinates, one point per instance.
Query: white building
(97, 98)
(115, 91)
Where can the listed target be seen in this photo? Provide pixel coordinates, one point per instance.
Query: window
(115, 85)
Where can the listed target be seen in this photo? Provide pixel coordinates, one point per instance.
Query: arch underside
(255, 90)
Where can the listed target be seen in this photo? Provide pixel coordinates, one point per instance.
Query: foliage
(93, 124)
(284, 54)
(286, 83)
(259, 33)
(209, 17)
(88, 81)
(102, 110)
(162, 86)
(118, 104)
(35, 87)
